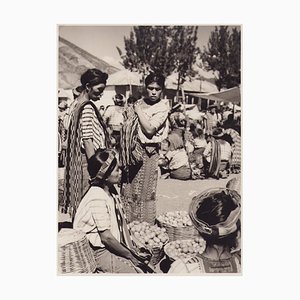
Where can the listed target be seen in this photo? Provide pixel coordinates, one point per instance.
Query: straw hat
(218, 132)
(212, 106)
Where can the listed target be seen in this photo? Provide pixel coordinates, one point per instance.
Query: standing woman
(142, 133)
(86, 134)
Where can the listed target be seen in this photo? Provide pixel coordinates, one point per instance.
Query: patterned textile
(236, 147)
(139, 159)
(74, 166)
(125, 234)
(215, 160)
(201, 264)
(138, 191)
(130, 152)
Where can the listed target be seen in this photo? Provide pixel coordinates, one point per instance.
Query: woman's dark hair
(95, 163)
(158, 78)
(131, 100)
(93, 77)
(216, 209)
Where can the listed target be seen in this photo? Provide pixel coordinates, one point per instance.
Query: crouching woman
(100, 215)
(216, 215)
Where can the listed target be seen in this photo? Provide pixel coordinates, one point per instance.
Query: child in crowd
(174, 160)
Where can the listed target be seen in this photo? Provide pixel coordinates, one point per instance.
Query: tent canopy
(232, 95)
(125, 77)
(193, 85)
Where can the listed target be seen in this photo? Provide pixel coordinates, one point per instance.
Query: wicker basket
(178, 233)
(188, 255)
(74, 253)
(157, 252)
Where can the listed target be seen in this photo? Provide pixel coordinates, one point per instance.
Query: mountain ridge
(74, 61)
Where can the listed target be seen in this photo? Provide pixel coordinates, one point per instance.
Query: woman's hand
(138, 263)
(137, 108)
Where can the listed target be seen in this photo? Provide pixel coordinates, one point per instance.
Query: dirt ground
(175, 194)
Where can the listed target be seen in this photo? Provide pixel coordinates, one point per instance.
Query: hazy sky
(101, 41)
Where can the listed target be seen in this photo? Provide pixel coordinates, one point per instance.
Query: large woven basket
(74, 253)
(178, 233)
(188, 255)
(157, 252)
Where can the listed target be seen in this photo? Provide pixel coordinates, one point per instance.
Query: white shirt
(96, 212)
(157, 115)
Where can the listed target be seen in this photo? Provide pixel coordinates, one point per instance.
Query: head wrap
(221, 229)
(105, 165)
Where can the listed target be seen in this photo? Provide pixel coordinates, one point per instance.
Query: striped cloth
(96, 212)
(125, 234)
(130, 152)
(215, 160)
(91, 128)
(99, 211)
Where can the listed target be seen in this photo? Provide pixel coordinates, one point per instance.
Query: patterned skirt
(236, 147)
(139, 185)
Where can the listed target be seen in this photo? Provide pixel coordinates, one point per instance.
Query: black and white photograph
(149, 153)
(149, 149)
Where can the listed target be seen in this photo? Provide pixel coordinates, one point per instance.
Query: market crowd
(112, 158)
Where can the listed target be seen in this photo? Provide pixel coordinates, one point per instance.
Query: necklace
(215, 252)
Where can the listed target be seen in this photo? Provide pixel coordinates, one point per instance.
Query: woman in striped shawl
(86, 133)
(100, 215)
(144, 128)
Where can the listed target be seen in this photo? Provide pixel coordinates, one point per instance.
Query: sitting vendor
(101, 216)
(177, 159)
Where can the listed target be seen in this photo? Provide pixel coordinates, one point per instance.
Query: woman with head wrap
(216, 215)
(145, 127)
(86, 134)
(101, 217)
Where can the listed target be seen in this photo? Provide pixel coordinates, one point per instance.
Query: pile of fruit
(150, 236)
(185, 248)
(176, 219)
